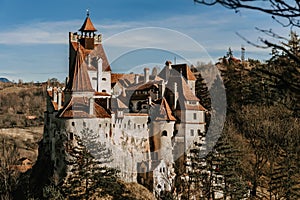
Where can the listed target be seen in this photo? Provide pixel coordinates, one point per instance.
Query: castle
(148, 121)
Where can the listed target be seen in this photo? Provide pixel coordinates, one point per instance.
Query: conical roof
(87, 26)
(79, 80)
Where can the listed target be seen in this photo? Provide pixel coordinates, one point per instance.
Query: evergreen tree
(228, 166)
(88, 174)
(285, 179)
(202, 92)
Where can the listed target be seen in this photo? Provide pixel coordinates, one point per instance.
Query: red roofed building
(144, 119)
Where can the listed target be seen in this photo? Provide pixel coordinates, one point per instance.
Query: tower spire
(87, 12)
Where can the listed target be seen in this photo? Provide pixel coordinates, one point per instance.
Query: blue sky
(34, 34)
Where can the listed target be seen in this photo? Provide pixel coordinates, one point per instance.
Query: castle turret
(87, 33)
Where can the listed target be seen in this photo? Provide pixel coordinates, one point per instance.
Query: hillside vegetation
(21, 105)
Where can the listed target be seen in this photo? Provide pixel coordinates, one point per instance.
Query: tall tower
(243, 53)
(87, 33)
(93, 55)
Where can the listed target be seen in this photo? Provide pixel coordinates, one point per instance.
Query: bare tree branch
(289, 10)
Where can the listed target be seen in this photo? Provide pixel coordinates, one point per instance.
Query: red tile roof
(177, 70)
(195, 107)
(98, 52)
(185, 70)
(124, 78)
(101, 94)
(87, 26)
(78, 107)
(183, 89)
(79, 80)
(162, 111)
(144, 86)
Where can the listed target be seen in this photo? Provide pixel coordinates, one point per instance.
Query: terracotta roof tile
(87, 25)
(79, 80)
(102, 94)
(185, 70)
(124, 78)
(144, 86)
(98, 52)
(161, 111)
(177, 70)
(78, 107)
(183, 89)
(195, 107)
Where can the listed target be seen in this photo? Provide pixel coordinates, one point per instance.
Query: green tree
(89, 173)
(228, 161)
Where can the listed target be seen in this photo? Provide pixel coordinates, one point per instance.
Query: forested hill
(258, 150)
(22, 105)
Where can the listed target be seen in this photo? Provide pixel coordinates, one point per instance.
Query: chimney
(66, 81)
(91, 110)
(89, 60)
(59, 99)
(175, 95)
(169, 64)
(146, 75)
(123, 92)
(54, 91)
(149, 100)
(168, 69)
(162, 88)
(99, 74)
(136, 79)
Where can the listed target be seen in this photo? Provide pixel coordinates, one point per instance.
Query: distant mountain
(4, 80)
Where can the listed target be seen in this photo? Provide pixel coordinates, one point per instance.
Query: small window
(199, 132)
(106, 124)
(84, 124)
(103, 90)
(134, 126)
(195, 115)
(192, 132)
(103, 79)
(71, 136)
(164, 133)
(73, 123)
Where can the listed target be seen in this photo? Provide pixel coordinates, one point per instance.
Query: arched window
(103, 90)
(103, 79)
(164, 133)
